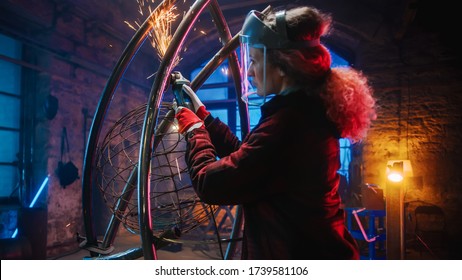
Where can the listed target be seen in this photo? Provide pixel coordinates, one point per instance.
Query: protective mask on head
(256, 34)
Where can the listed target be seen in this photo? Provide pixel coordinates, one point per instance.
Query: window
(220, 99)
(10, 133)
(10, 116)
(345, 144)
(219, 95)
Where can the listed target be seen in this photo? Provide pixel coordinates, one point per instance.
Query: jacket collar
(292, 97)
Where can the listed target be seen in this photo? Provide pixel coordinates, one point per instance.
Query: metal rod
(150, 119)
(225, 35)
(124, 61)
(120, 208)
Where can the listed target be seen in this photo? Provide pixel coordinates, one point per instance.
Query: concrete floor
(187, 249)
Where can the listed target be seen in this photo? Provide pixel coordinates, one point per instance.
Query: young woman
(284, 173)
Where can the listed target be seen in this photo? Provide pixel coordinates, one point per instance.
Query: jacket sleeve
(239, 177)
(222, 137)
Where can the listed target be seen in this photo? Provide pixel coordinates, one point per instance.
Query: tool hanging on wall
(50, 107)
(67, 172)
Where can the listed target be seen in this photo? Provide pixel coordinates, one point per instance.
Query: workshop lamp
(397, 172)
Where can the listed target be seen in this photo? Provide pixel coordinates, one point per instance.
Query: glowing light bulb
(395, 177)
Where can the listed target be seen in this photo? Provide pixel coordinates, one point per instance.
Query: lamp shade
(397, 170)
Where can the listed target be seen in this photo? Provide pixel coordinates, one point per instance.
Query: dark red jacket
(284, 174)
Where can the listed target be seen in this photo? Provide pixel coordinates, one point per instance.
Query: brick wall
(414, 69)
(74, 53)
(416, 76)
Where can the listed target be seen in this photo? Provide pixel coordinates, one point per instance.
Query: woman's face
(274, 77)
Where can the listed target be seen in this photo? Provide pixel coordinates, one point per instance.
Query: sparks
(178, 168)
(161, 20)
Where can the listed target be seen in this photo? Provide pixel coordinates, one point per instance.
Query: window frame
(10, 56)
(23, 193)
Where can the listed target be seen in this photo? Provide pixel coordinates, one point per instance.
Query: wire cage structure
(139, 167)
(174, 204)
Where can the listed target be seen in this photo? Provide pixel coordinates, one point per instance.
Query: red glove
(202, 113)
(199, 107)
(187, 120)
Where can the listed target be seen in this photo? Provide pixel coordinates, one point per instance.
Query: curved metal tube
(152, 110)
(122, 64)
(121, 206)
(225, 35)
(151, 114)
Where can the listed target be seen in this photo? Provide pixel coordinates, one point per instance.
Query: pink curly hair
(345, 91)
(349, 102)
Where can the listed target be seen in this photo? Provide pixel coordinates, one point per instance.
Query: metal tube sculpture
(150, 137)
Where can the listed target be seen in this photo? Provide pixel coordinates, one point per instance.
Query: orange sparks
(161, 20)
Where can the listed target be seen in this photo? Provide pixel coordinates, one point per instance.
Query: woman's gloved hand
(187, 120)
(199, 107)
